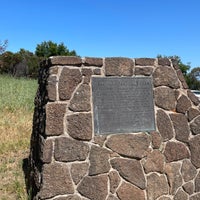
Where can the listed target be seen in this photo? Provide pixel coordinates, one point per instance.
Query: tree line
(25, 63)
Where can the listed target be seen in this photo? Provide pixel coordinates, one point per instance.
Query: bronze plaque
(122, 104)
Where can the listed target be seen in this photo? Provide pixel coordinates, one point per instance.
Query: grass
(16, 111)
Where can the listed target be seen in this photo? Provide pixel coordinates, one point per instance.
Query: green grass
(17, 93)
(16, 112)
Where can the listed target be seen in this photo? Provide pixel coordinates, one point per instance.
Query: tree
(3, 46)
(49, 48)
(22, 63)
(28, 64)
(194, 79)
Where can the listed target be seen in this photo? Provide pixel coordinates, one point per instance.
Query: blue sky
(104, 28)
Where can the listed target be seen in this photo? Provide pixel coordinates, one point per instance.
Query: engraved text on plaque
(122, 104)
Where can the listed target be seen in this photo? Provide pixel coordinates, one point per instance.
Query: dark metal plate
(122, 104)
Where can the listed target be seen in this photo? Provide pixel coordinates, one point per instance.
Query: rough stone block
(188, 170)
(68, 81)
(193, 98)
(145, 71)
(174, 176)
(194, 145)
(144, 61)
(56, 181)
(197, 183)
(164, 61)
(97, 71)
(165, 98)
(189, 187)
(127, 191)
(87, 73)
(119, 67)
(181, 127)
(47, 151)
(195, 196)
(192, 113)
(68, 150)
(80, 102)
(100, 139)
(155, 162)
(164, 125)
(195, 126)
(78, 171)
(53, 70)
(181, 195)
(79, 126)
(156, 139)
(183, 104)
(99, 160)
(156, 186)
(175, 151)
(55, 113)
(68, 197)
(165, 76)
(114, 181)
(131, 145)
(94, 187)
(65, 60)
(130, 170)
(90, 61)
(52, 88)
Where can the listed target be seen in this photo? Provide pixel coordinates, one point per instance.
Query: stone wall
(69, 162)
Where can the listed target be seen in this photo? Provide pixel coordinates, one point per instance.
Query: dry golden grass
(16, 112)
(15, 131)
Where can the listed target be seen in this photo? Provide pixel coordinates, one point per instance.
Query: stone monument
(114, 129)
